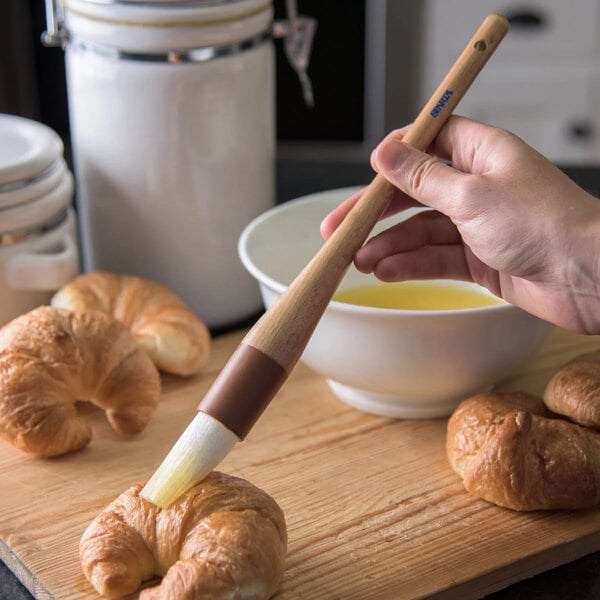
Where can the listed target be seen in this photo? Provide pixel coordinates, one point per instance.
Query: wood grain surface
(373, 508)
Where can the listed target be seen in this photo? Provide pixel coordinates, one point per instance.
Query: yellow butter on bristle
(203, 444)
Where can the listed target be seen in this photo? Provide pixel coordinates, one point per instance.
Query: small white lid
(27, 148)
(27, 190)
(24, 217)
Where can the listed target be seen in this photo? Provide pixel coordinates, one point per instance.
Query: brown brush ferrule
(243, 389)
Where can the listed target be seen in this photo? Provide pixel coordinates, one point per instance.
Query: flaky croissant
(574, 390)
(508, 450)
(52, 357)
(173, 336)
(224, 538)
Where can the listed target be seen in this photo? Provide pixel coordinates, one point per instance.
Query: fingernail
(324, 229)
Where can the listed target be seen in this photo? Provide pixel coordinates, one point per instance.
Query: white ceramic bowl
(395, 363)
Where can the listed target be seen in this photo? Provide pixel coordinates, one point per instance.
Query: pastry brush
(271, 348)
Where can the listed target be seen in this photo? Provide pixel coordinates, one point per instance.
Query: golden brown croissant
(509, 452)
(224, 538)
(574, 390)
(50, 358)
(173, 336)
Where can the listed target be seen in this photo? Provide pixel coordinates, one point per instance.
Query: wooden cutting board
(373, 509)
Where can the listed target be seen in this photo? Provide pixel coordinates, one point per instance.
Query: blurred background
(373, 64)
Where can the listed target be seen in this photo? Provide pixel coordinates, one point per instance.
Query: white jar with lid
(172, 122)
(38, 239)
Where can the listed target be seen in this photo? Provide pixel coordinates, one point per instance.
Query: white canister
(172, 121)
(38, 238)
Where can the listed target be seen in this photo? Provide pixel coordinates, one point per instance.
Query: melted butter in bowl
(416, 295)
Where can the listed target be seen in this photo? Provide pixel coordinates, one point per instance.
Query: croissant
(173, 336)
(574, 390)
(224, 538)
(508, 450)
(50, 358)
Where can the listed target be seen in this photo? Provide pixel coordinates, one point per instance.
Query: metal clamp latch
(298, 32)
(55, 34)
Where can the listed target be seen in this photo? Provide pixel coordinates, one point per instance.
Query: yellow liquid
(416, 295)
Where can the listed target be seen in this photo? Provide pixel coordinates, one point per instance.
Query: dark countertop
(579, 579)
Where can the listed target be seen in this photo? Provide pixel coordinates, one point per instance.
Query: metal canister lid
(187, 3)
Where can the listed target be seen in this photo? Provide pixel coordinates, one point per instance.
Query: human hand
(503, 216)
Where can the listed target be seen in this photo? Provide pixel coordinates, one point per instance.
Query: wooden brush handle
(285, 329)
(273, 346)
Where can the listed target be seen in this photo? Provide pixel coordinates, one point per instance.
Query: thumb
(417, 174)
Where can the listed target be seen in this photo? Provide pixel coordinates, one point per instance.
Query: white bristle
(201, 447)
